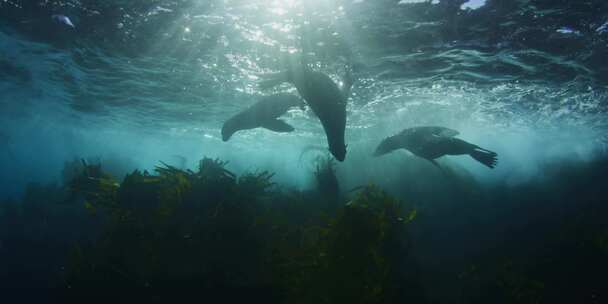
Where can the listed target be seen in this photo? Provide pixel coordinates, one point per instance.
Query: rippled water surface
(150, 80)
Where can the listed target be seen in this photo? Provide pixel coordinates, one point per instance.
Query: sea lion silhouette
(433, 142)
(323, 96)
(263, 114)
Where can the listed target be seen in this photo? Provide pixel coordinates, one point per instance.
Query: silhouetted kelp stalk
(199, 230)
(327, 181)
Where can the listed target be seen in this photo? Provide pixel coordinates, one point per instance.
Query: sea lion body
(327, 102)
(325, 99)
(433, 142)
(262, 114)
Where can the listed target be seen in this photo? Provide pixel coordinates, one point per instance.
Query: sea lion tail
(485, 157)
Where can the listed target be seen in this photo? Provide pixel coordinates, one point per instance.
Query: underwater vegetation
(356, 256)
(553, 241)
(208, 234)
(327, 181)
(236, 239)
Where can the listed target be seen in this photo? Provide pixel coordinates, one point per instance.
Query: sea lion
(323, 96)
(433, 142)
(263, 114)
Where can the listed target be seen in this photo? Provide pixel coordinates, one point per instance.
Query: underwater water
(116, 179)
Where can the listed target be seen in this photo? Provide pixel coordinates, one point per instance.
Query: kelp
(568, 268)
(96, 187)
(325, 176)
(222, 238)
(504, 280)
(255, 184)
(174, 184)
(214, 169)
(211, 227)
(353, 258)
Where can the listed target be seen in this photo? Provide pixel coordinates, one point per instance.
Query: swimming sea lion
(323, 96)
(263, 114)
(433, 142)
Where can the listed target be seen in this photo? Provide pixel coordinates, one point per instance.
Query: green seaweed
(327, 181)
(255, 184)
(212, 227)
(96, 187)
(353, 258)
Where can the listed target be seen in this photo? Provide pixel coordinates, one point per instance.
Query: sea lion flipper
(277, 125)
(273, 80)
(486, 157)
(434, 162)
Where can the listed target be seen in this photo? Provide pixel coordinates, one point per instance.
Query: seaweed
(211, 228)
(219, 237)
(174, 184)
(214, 169)
(325, 174)
(352, 258)
(255, 184)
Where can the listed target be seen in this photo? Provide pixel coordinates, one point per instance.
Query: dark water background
(137, 82)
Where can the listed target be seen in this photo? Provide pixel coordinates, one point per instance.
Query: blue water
(137, 82)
